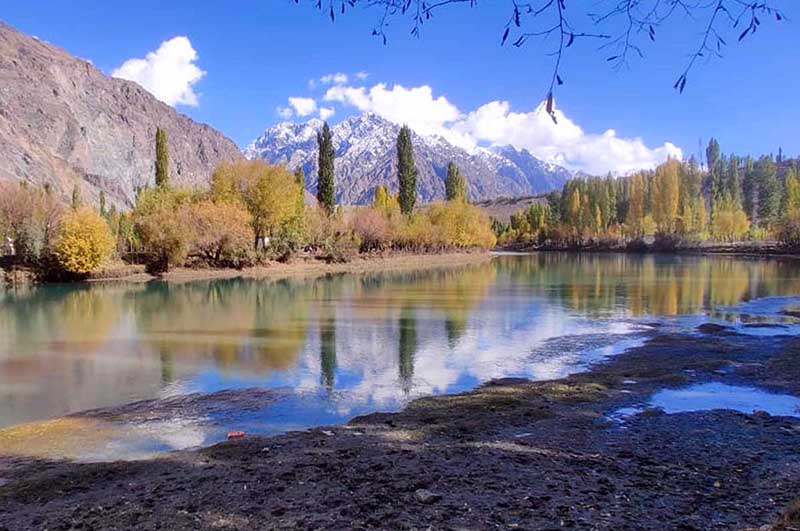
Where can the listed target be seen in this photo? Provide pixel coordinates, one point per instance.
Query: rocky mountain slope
(63, 122)
(366, 157)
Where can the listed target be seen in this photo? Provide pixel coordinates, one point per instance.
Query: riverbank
(744, 248)
(510, 454)
(299, 268)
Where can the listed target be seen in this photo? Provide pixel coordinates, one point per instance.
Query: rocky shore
(511, 454)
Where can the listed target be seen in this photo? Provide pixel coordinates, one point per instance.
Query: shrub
(84, 242)
(30, 217)
(220, 233)
(458, 224)
(164, 238)
(373, 228)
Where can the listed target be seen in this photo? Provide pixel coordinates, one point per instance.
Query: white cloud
(169, 73)
(494, 123)
(303, 106)
(414, 106)
(326, 112)
(362, 75)
(284, 112)
(337, 78)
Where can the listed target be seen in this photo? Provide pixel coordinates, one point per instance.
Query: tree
(300, 180)
(623, 26)
(406, 171)
(666, 197)
(270, 193)
(162, 158)
(769, 191)
(455, 186)
(103, 203)
(76, 201)
(221, 233)
(728, 220)
(636, 206)
(84, 242)
(325, 179)
(163, 237)
(792, 192)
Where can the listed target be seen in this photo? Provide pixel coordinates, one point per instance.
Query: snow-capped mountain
(366, 157)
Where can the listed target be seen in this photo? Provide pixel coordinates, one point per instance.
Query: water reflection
(349, 344)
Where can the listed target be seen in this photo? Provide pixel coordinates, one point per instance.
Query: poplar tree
(162, 158)
(455, 186)
(77, 202)
(102, 203)
(325, 182)
(406, 171)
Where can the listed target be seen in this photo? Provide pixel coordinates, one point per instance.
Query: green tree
(455, 186)
(76, 201)
(406, 171)
(300, 180)
(769, 191)
(162, 158)
(103, 203)
(325, 180)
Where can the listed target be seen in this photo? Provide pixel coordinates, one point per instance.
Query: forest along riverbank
(298, 268)
(568, 453)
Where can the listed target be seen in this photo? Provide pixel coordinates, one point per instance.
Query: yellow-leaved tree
(84, 242)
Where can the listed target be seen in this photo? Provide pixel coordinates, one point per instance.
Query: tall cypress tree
(406, 171)
(102, 203)
(162, 158)
(455, 186)
(77, 201)
(325, 182)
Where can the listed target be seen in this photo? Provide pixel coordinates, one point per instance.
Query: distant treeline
(730, 199)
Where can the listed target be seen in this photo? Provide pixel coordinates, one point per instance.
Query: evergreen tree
(715, 169)
(769, 191)
(455, 186)
(162, 158)
(102, 203)
(76, 198)
(733, 186)
(406, 171)
(325, 182)
(750, 191)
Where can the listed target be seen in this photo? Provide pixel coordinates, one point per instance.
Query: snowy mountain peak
(366, 157)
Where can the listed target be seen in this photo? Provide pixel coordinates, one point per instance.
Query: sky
(246, 65)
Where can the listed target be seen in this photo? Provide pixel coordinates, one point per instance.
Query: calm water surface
(341, 346)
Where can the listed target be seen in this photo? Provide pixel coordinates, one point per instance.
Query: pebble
(427, 497)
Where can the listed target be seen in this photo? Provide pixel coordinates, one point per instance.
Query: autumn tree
(666, 196)
(636, 211)
(270, 193)
(84, 242)
(406, 171)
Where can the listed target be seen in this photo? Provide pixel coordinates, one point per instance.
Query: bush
(220, 233)
(373, 229)
(164, 237)
(30, 218)
(458, 224)
(84, 242)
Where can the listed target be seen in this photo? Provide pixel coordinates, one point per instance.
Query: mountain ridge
(365, 158)
(64, 123)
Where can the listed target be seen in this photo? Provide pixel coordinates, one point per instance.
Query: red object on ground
(236, 435)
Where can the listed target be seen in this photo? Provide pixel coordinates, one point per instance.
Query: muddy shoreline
(511, 454)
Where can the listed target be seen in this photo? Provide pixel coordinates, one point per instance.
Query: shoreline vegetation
(511, 453)
(255, 217)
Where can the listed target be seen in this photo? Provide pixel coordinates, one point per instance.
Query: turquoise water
(344, 345)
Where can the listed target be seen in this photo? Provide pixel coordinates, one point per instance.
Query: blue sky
(257, 54)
